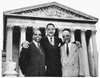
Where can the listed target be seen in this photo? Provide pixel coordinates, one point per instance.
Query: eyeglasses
(66, 36)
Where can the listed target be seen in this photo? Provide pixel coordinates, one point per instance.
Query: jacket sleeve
(81, 63)
(23, 59)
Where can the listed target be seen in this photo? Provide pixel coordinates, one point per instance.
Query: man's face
(50, 30)
(37, 36)
(66, 36)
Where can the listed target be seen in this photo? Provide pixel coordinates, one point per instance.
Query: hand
(78, 43)
(45, 68)
(25, 44)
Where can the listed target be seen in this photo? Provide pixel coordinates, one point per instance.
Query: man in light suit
(32, 59)
(71, 57)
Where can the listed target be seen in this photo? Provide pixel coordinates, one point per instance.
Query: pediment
(51, 10)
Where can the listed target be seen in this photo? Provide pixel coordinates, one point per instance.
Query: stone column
(60, 33)
(91, 57)
(72, 35)
(85, 55)
(95, 52)
(9, 44)
(10, 65)
(22, 39)
(23, 35)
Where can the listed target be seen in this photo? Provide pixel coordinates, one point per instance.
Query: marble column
(60, 33)
(95, 51)
(9, 44)
(91, 57)
(10, 65)
(72, 35)
(85, 55)
(22, 39)
(23, 35)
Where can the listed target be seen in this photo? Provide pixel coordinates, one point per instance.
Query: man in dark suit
(51, 46)
(32, 59)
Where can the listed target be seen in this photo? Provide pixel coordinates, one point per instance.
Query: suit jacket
(52, 55)
(32, 61)
(73, 64)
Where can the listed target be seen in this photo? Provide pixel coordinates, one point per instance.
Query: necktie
(67, 51)
(39, 48)
(51, 39)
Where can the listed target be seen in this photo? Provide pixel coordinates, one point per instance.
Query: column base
(10, 69)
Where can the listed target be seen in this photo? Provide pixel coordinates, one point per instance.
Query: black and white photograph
(49, 38)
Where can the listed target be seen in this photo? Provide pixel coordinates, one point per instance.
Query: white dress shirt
(50, 39)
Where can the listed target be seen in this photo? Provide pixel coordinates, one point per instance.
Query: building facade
(20, 23)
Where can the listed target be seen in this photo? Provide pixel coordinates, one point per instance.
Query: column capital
(10, 28)
(72, 30)
(94, 32)
(83, 30)
(60, 29)
(23, 28)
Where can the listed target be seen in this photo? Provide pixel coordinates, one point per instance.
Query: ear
(33, 36)
(70, 35)
(54, 30)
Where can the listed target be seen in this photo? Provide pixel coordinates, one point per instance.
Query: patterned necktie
(67, 51)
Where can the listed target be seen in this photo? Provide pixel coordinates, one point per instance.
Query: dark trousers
(53, 72)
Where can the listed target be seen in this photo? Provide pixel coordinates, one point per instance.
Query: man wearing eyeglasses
(32, 59)
(71, 57)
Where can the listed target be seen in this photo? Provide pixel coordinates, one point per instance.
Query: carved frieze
(52, 11)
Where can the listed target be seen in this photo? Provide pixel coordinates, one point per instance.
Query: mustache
(50, 32)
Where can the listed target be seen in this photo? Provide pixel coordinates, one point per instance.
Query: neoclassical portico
(25, 20)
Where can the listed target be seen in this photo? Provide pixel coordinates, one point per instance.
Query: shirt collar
(36, 43)
(50, 37)
(69, 43)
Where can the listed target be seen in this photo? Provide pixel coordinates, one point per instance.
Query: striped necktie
(39, 48)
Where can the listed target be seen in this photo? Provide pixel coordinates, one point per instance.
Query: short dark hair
(50, 24)
(36, 30)
(66, 30)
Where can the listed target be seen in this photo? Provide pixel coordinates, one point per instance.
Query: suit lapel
(35, 47)
(49, 41)
(63, 56)
(55, 41)
(63, 52)
(72, 49)
(42, 50)
(72, 52)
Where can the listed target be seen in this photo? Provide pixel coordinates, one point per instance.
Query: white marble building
(20, 23)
